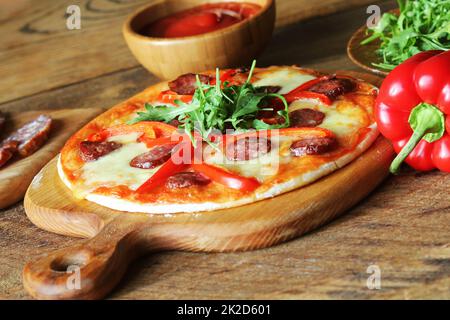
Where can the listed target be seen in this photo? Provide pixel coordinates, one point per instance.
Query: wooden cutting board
(116, 238)
(16, 176)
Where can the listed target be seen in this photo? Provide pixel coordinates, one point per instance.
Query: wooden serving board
(116, 238)
(16, 175)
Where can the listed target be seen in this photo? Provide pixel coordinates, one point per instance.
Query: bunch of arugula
(214, 106)
(421, 25)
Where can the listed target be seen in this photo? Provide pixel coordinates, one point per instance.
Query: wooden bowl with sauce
(170, 56)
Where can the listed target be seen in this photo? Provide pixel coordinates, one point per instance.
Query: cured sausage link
(153, 158)
(312, 146)
(306, 118)
(7, 150)
(26, 140)
(187, 179)
(32, 135)
(247, 148)
(186, 84)
(333, 87)
(92, 150)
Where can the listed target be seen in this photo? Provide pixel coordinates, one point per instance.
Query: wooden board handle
(88, 270)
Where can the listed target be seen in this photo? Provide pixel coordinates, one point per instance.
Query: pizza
(220, 139)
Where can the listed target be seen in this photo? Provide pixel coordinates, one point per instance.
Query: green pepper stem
(407, 149)
(428, 123)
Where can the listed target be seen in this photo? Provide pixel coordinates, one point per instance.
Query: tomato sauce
(201, 19)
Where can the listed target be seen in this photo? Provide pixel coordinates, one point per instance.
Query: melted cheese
(287, 78)
(342, 118)
(114, 168)
(261, 168)
(126, 138)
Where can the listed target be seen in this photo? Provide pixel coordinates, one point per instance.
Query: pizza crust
(295, 183)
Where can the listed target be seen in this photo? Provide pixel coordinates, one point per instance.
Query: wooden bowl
(365, 55)
(167, 58)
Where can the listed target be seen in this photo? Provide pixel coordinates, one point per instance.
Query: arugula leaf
(421, 25)
(214, 106)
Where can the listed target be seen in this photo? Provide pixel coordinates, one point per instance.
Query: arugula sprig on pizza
(214, 106)
(290, 126)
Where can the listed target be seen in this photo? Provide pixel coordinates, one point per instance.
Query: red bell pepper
(292, 96)
(227, 75)
(145, 128)
(226, 178)
(412, 111)
(301, 92)
(169, 96)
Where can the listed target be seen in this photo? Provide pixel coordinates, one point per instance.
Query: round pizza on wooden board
(289, 127)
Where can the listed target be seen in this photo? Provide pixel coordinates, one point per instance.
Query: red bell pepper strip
(146, 128)
(150, 143)
(169, 96)
(301, 92)
(303, 133)
(292, 96)
(175, 138)
(305, 86)
(226, 178)
(412, 111)
(227, 75)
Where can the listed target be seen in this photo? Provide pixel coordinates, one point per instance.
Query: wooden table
(403, 227)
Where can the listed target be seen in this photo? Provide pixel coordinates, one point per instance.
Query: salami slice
(306, 118)
(93, 150)
(7, 150)
(32, 135)
(312, 146)
(187, 179)
(187, 83)
(153, 158)
(333, 87)
(248, 148)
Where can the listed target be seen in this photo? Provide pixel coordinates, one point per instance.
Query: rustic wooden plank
(402, 227)
(259, 225)
(287, 47)
(405, 238)
(293, 11)
(38, 53)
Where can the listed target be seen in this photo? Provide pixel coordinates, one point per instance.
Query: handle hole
(65, 263)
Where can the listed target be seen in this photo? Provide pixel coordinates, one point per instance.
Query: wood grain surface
(119, 237)
(402, 227)
(36, 41)
(16, 175)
